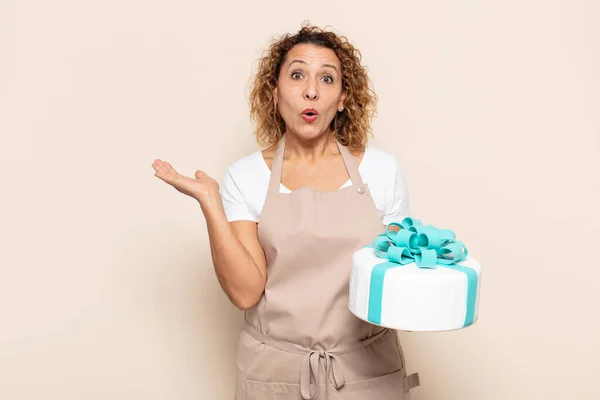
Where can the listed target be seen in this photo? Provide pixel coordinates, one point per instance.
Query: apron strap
(350, 165)
(277, 166)
(411, 381)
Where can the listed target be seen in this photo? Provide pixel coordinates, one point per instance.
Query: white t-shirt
(244, 187)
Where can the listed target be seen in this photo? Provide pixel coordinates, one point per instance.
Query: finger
(200, 174)
(155, 164)
(169, 167)
(158, 171)
(158, 165)
(166, 169)
(163, 172)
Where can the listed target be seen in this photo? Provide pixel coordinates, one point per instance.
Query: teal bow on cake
(428, 247)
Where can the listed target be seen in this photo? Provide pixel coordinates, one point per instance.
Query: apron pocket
(257, 390)
(389, 386)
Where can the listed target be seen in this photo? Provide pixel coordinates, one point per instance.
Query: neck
(309, 150)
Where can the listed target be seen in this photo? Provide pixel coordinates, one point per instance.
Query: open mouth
(309, 117)
(310, 112)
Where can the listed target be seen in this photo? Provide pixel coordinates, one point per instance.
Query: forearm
(237, 272)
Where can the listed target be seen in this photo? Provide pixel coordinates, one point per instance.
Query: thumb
(200, 174)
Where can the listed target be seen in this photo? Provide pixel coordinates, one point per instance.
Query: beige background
(107, 289)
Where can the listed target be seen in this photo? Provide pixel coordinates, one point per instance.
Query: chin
(311, 132)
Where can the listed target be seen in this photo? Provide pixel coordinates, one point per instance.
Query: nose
(311, 96)
(310, 92)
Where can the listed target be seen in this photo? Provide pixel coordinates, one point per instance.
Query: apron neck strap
(277, 165)
(350, 163)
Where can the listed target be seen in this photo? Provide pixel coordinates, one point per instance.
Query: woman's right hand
(201, 188)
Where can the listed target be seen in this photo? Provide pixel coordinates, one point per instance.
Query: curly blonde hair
(351, 126)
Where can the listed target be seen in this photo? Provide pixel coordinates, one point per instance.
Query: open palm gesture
(199, 188)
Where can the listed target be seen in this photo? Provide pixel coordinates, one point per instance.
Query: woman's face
(310, 77)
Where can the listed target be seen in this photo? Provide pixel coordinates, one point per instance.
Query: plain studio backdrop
(107, 288)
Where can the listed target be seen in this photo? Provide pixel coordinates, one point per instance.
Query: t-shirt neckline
(268, 170)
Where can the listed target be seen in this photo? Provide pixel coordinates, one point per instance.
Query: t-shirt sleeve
(397, 203)
(234, 202)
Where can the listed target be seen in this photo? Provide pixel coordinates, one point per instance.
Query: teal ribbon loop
(426, 246)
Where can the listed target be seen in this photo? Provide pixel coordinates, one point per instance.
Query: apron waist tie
(309, 375)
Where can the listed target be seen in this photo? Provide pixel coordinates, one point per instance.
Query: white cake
(439, 294)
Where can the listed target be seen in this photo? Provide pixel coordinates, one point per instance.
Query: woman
(286, 220)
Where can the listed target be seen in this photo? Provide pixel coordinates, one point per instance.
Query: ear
(342, 100)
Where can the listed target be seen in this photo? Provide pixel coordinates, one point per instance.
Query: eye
(328, 78)
(296, 73)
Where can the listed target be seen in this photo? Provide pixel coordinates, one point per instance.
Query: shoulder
(239, 187)
(246, 167)
(389, 185)
(249, 160)
(381, 161)
(248, 175)
(383, 171)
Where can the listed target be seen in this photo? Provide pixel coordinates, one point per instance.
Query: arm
(237, 255)
(236, 252)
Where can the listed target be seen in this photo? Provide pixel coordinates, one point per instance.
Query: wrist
(211, 204)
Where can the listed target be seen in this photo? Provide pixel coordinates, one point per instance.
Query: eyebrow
(304, 62)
